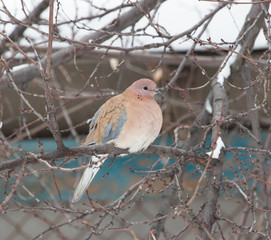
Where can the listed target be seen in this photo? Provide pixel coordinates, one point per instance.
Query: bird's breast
(142, 126)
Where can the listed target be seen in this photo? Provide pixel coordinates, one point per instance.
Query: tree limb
(75, 152)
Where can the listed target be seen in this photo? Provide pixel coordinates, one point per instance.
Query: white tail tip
(82, 186)
(87, 178)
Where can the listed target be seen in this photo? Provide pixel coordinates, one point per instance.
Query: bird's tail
(87, 177)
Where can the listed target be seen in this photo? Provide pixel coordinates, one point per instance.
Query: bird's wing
(107, 122)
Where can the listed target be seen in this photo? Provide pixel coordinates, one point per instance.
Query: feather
(88, 175)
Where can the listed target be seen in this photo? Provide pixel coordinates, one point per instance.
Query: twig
(51, 121)
(13, 84)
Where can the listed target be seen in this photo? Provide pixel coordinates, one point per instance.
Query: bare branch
(51, 120)
(53, 156)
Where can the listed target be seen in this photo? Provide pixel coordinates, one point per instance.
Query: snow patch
(208, 106)
(226, 71)
(219, 146)
(19, 67)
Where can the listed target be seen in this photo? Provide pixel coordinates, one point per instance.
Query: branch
(50, 107)
(202, 119)
(67, 153)
(247, 36)
(218, 96)
(127, 19)
(220, 110)
(171, 191)
(232, 65)
(182, 63)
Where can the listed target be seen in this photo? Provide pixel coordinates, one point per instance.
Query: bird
(131, 120)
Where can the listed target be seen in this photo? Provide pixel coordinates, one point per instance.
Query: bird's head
(144, 87)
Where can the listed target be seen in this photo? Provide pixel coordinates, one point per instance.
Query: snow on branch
(216, 152)
(226, 65)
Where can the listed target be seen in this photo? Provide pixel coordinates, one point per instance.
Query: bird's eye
(145, 88)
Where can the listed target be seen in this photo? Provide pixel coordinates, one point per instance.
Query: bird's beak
(157, 91)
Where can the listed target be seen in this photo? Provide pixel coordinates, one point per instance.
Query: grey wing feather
(112, 131)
